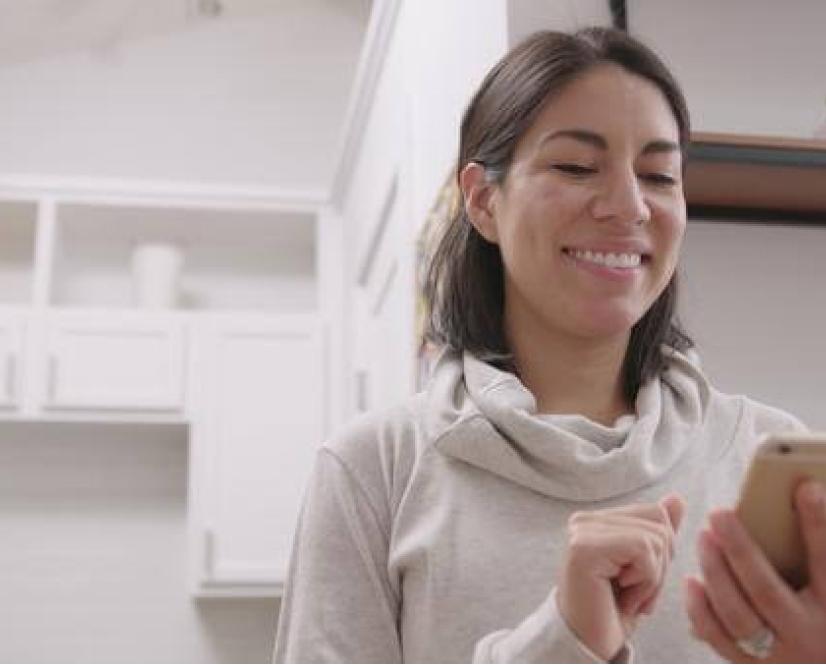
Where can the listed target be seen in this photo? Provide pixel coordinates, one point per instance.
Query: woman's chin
(607, 323)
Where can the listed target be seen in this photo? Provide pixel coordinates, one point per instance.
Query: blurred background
(213, 218)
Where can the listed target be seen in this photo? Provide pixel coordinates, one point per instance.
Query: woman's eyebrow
(584, 135)
(598, 141)
(660, 145)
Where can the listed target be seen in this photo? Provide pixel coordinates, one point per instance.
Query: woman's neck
(572, 375)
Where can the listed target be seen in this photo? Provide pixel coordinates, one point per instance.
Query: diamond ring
(758, 645)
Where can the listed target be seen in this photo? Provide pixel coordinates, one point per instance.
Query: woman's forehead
(610, 101)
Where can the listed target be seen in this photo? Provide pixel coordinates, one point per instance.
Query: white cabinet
(240, 358)
(253, 447)
(11, 361)
(128, 361)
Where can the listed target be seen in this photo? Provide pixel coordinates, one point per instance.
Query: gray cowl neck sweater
(433, 532)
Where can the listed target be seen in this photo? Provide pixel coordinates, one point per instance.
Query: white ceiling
(34, 29)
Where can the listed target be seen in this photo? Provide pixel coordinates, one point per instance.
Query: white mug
(156, 273)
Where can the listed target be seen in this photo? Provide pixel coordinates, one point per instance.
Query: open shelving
(756, 177)
(233, 259)
(72, 248)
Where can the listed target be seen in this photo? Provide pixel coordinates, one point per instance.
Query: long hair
(464, 283)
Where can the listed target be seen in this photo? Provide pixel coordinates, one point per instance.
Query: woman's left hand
(742, 597)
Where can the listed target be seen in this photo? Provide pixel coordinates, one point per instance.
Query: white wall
(746, 66)
(755, 303)
(451, 46)
(93, 563)
(527, 16)
(234, 100)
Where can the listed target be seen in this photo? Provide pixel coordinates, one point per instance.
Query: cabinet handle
(11, 370)
(209, 553)
(52, 387)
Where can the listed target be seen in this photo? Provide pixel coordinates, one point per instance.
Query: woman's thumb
(674, 507)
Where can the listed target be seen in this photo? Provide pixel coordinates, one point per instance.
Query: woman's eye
(658, 178)
(575, 169)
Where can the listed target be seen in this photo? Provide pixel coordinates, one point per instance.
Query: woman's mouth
(615, 260)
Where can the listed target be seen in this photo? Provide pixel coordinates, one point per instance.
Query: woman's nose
(621, 200)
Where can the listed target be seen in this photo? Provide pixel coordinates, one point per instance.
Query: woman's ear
(477, 192)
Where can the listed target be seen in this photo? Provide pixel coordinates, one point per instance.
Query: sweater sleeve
(339, 604)
(543, 637)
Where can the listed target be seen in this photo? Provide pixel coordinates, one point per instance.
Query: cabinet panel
(266, 409)
(124, 362)
(385, 348)
(11, 359)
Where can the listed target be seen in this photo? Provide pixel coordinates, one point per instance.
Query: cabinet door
(10, 361)
(385, 303)
(115, 361)
(264, 410)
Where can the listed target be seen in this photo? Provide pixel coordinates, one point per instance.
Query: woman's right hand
(613, 570)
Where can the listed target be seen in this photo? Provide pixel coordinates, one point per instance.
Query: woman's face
(591, 215)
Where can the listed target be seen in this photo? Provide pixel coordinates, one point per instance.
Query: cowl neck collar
(486, 417)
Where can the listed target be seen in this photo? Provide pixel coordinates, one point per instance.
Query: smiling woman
(525, 507)
(601, 152)
(590, 207)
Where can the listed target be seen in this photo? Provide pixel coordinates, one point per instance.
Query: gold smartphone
(766, 505)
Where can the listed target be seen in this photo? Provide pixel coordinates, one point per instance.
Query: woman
(527, 506)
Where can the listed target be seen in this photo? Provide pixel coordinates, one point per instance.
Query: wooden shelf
(766, 177)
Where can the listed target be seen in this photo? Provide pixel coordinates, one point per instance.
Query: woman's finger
(660, 532)
(631, 601)
(589, 597)
(706, 626)
(618, 549)
(658, 537)
(639, 583)
(633, 554)
(811, 506)
(736, 615)
(668, 511)
(768, 593)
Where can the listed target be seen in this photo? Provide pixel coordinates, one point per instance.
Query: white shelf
(18, 225)
(233, 258)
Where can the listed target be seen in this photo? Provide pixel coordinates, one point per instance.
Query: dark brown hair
(464, 284)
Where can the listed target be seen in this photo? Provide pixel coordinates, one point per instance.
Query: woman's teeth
(608, 259)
